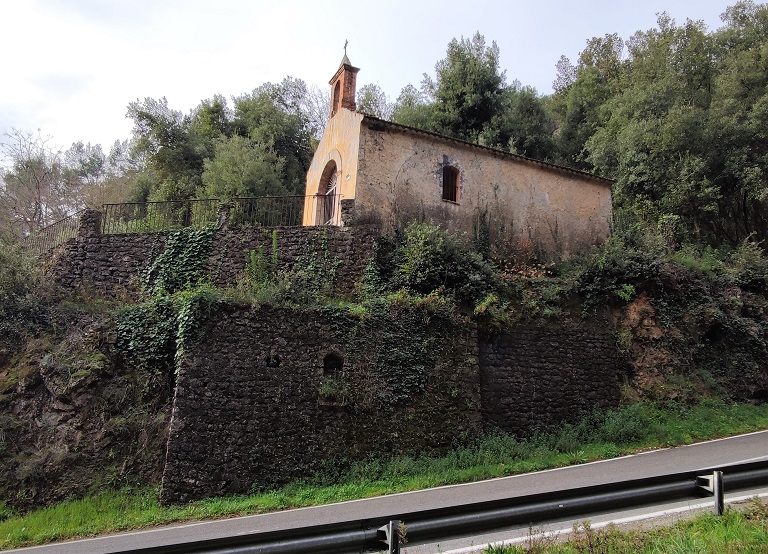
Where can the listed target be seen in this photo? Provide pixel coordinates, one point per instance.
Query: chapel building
(368, 170)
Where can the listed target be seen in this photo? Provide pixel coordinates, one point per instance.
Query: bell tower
(343, 85)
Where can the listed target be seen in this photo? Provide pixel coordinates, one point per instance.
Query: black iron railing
(55, 234)
(283, 211)
(142, 217)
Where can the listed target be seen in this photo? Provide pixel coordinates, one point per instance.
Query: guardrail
(421, 526)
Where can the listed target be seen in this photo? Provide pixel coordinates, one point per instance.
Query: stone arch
(328, 195)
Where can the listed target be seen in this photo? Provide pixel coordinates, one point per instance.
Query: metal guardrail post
(436, 523)
(390, 535)
(713, 484)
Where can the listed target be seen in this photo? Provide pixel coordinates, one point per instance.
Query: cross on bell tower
(343, 86)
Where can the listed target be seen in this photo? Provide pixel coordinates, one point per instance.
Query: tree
(413, 108)
(99, 178)
(373, 101)
(242, 168)
(680, 127)
(162, 138)
(566, 75)
(469, 88)
(580, 91)
(316, 105)
(523, 125)
(84, 170)
(33, 193)
(272, 117)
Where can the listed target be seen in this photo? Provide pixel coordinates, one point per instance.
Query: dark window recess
(450, 184)
(273, 358)
(332, 364)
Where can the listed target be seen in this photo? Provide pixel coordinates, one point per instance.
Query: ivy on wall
(400, 337)
(154, 334)
(182, 264)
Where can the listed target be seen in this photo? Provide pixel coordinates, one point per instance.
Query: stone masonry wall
(248, 410)
(533, 376)
(112, 263)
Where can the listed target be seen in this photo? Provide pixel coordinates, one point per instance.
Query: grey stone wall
(248, 413)
(247, 410)
(111, 263)
(532, 376)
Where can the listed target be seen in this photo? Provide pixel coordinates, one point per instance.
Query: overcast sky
(70, 67)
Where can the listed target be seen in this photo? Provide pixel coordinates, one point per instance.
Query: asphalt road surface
(743, 448)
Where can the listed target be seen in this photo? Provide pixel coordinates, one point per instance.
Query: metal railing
(145, 217)
(267, 211)
(142, 217)
(55, 234)
(429, 525)
(285, 211)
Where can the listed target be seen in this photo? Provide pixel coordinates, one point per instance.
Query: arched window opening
(336, 98)
(333, 364)
(328, 196)
(451, 182)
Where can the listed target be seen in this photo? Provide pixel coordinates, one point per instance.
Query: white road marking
(565, 531)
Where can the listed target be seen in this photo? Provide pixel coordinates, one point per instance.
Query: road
(644, 517)
(743, 448)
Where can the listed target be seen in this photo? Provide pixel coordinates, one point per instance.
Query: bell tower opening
(343, 86)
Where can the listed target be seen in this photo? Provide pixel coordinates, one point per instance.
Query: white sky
(70, 67)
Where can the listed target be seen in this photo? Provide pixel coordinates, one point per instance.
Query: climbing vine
(315, 269)
(402, 336)
(154, 335)
(182, 264)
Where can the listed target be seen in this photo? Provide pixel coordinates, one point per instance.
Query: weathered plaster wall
(248, 411)
(399, 178)
(534, 375)
(340, 143)
(112, 263)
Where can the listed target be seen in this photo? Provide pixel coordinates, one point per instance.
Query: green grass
(736, 531)
(599, 436)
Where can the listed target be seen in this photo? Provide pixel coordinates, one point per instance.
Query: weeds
(596, 437)
(736, 531)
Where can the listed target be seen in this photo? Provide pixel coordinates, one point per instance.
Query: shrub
(424, 258)
(22, 308)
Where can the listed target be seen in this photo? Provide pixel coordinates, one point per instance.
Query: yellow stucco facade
(391, 174)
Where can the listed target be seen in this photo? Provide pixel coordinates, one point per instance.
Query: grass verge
(736, 531)
(599, 436)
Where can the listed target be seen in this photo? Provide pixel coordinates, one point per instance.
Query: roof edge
(547, 165)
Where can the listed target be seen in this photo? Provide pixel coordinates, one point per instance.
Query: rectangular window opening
(450, 184)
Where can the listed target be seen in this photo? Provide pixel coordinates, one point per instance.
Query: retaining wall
(112, 263)
(248, 412)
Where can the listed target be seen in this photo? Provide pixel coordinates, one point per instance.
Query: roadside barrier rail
(385, 532)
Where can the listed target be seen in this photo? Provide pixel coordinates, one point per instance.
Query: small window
(336, 98)
(450, 184)
(333, 364)
(273, 358)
